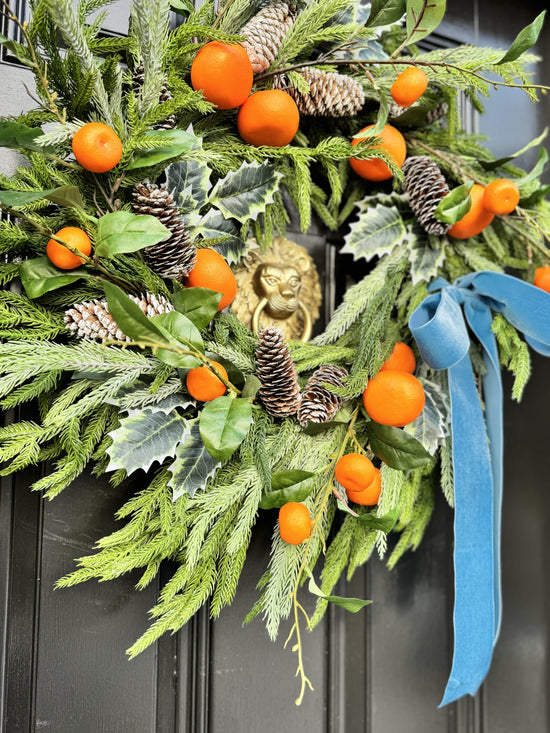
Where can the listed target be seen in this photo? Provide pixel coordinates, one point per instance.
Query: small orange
(294, 522)
(354, 471)
(542, 278)
(97, 147)
(501, 196)
(394, 398)
(370, 495)
(223, 72)
(212, 271)
(401, 359)
(269, 117)
(203, 384)
(374, 169)
(62, 257)
(409, 86)
(475, 220)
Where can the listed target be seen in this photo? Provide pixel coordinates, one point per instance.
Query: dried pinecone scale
(330, 94)
(426, 188)
(280, 392)
(318, 404)
(165, 96)
(265, 32)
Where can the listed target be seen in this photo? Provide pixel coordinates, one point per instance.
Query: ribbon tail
(474, 610)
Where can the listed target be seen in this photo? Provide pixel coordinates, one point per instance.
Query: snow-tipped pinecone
(92, 319)
(275, 369)
(437, 113)
(165, 96)
(426, 187)
(318, 404)
(330, 94)
(265, 32)
(174, 258)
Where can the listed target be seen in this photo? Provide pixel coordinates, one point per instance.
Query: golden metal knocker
(308, 325)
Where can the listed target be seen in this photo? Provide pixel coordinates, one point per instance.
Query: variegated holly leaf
(244, 194)
(432, 426)
(426, 254)
(377, 231)
(214, 225)
(166, 405)
(193, 465)
(188, 181)
(144, 438)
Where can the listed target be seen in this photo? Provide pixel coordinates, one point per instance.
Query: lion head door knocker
(279, 288)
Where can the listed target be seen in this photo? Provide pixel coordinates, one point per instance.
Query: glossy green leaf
(244, 194)
(199, 305)
(384, 12)
(525, 39)
(384, 523)
(39, 276)
(376, 231)
(224, 423)
(122, 231)
(537, 171)
(396, 448)
(17, 49)
(491, 165)
(423, 18)
(131, 320)
(16, 135)
(193, 465)
(62, 195)
(251, 387)
(288, 486)
(184, 334)
(177, 143)
(455, 204)
(350, 604)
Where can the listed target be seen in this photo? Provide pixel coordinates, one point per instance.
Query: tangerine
(409, 86)
(476, 219)
(370, 495)
(294, 522)
(542, 278)
(354, 471)
(394, 398)
(203, 384)
(401, 359)
(374, 169)
(501, 196)
(97, 147)
(62, 257)
(269, 117)
(223, 72)
(212, 271)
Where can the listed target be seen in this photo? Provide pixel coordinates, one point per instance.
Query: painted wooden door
(63, 667)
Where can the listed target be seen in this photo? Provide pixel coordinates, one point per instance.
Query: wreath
(159, 167)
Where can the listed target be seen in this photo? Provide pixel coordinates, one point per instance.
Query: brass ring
(308, 326)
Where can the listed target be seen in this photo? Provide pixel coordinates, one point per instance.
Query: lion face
(281, 286)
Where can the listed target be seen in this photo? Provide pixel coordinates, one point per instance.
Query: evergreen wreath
(102, 350)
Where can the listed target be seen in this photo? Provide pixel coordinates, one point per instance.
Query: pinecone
(437, 113)
(92, 319)
(275, 369)
(318, 404)
(165, 96)
(330, 94)
(176, 257)
(426, 187)
(265, 32)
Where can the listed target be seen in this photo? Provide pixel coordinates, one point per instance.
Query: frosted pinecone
(426, 187)
(318, 403)
(437, 113)
(92, 319)
(330, 94)
(275, 369)
(174, 258)
(265, 32)
(165, 96)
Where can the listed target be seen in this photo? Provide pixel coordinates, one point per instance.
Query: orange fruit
(203, 384)
(475, 220)
(269, 118)
(354, 471)
(62, 257)
(409, 86)
(212, 271)
(374, 169)
(223, 72)
(370, 495)
(401, 359)
(501, 196)
(394, 398)
(294, 522)
(97, 147)
(542, 278)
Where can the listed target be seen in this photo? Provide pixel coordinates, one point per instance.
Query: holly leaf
(62, 195)
(427, 254)
(193, 465)
(166, 405)
(525, 40)
(350, 604)
(145, 438)
(455, 204)
(183, 333)
(214, 225)
(288, 486)
(224, 423)
(385, 523)
(384, 12)
(122, 231)
(245, 193)
(199, 305)
(178, 142)
(376, 232)
(40, 276)
(21, 137)
(396, 448)
(131, 320)
(431, 426)
(423, 18)
(190, 180)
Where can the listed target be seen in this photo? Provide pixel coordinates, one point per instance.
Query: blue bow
(439, 327)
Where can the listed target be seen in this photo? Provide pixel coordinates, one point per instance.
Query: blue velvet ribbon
(440, 328)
